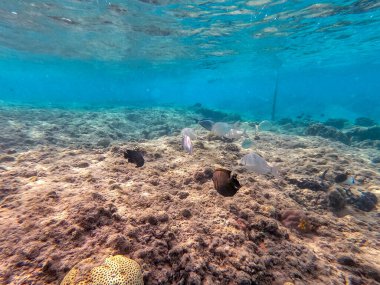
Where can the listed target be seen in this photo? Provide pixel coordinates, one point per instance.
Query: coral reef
(337, 200)
(116, 270)
(65, 197)
(308, 184)
(361, 134)
(336, 123)
(364, 122)
(327, 132)
(365, 202)
(215, 115)
(296, 219)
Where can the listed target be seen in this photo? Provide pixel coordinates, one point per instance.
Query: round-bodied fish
(247, 143)
(220, 129)
(205, 123)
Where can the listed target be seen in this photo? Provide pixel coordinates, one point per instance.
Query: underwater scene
(189, 142)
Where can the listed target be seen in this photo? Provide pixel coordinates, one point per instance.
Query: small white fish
(235, 134)
(265, 125)
(254, 162)
(187, 144)
(247, 143)
(221, 129)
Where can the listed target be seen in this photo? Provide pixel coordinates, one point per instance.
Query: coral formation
(327, 132)
(366, 201)
(296, 219)
(364, 122)
(337, 200)
(361, 134)
(215, 115)
(308, 184)
(117, 270)
(336, 123)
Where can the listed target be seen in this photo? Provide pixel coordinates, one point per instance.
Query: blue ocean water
(211, 142)
(223, 54)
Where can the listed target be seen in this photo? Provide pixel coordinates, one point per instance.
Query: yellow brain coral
(116, 270)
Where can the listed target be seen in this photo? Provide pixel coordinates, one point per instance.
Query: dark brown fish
(224, 183)
(341, 177)
(135, 157)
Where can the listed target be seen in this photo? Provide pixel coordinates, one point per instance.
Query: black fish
(341, 177)
(207, 124)
(134, 156)
(224, 183)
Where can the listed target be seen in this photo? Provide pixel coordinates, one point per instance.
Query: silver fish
(254, 162)
(221, 129)
(207, 124)
(265, 125)
(235, 134)
(187, 144)
(247, 143)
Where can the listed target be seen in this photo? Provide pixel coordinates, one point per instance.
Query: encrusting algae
(117, 270)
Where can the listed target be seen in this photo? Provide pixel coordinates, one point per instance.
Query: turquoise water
(222, 54)
(211, 142)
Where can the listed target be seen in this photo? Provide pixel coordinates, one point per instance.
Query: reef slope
(75, 196)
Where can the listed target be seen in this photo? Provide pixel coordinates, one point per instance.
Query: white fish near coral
(254, 162)
(187, 144)
(188, 132)
(265, 126)
(221, 129)
(247, 143)
(235, 134)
